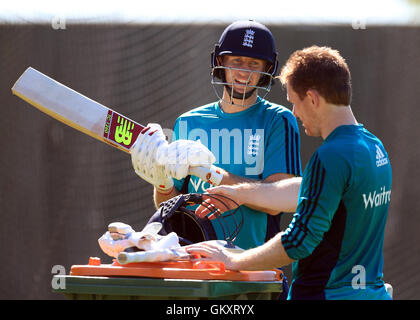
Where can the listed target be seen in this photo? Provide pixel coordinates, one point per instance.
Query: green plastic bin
(116, 288)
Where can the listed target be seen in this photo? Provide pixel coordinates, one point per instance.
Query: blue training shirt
(337, 233)
(255, 143)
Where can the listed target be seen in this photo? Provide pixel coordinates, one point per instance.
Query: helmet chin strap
(239, 96)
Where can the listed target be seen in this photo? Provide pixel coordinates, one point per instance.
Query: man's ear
(314, 97)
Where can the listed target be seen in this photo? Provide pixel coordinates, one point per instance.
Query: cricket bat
(81, 113)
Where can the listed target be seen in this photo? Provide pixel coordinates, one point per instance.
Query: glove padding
(181, 155)
(156, 161)
(143, 157)
(114, 242)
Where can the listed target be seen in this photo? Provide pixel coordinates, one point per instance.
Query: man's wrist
(165, 192)
(212, 175)
(235, 262)
(215, 175)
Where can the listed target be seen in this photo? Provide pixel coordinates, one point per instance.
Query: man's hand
(181, 155)
(157, 162)
(211, 252)
(186, 157)
(218, 200)
(268, 256)
(144, 157)
(270, 197)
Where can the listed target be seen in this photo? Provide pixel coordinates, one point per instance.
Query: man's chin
(242, 95)
(308, 133)
(311, 133)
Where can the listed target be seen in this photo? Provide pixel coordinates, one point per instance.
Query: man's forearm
(277, 193)
(279, 196)
(162, 197)
(230, 179)
(270, 255)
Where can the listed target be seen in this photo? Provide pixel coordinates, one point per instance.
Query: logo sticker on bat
(120, 130)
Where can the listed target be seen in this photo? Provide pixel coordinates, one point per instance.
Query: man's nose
(244, 73)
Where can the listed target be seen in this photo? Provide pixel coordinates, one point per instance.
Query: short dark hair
(319, 68)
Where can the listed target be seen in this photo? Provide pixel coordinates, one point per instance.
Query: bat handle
(123, 258)
(212, 175)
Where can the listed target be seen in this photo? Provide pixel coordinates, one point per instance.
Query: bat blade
(76, 110)
(82, 113)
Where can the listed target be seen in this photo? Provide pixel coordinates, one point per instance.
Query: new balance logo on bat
(380, 157)
(122, 132)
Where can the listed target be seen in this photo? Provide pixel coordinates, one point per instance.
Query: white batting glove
(182, 155)
(121, 236)
(143, 157)
(153, 256)
(113, 247)
(116, 239)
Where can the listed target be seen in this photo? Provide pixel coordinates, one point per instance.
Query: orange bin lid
(181, 269)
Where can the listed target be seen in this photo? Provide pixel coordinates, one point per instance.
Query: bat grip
(212, 175)
(123, 258)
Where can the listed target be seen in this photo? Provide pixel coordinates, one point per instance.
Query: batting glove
(143, 157)
(185, 157)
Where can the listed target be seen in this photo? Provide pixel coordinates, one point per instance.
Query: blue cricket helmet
(249, 39)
